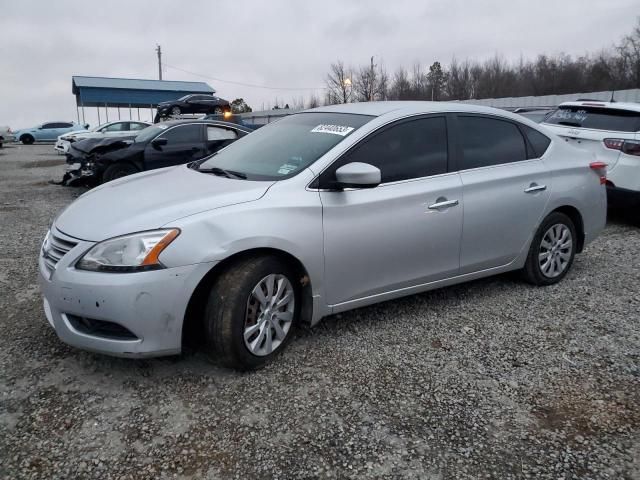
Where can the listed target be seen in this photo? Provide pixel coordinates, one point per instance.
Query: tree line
(613, 68)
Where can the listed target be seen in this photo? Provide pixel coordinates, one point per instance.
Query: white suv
(612, 132)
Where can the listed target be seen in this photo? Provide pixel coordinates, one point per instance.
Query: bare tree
(371, 83)
(339, 84)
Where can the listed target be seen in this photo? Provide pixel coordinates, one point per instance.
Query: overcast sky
(275, 43)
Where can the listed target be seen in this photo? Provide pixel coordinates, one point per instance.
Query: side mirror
(158, 142)
(357, 175)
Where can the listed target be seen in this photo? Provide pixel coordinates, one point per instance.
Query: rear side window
(596, 118)
(487, 141)
(413, 149)
(538, 141)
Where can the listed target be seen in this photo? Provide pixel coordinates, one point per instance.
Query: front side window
(183, 134)
(488, 141)
(115, 127)
(409, 149)
(596, 118)
(46, 126)
(284, 148)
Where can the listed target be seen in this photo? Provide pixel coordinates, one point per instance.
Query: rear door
(185, 143)
(505, 190)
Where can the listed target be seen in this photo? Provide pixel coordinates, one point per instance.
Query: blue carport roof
(124, 92)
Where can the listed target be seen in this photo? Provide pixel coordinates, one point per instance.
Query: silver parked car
(321, 212)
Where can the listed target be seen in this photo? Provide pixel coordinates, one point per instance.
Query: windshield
(596, 118)
(283, 148)
(148, 133)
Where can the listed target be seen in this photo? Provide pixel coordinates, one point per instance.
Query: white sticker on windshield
(341, 130)
(286, 169)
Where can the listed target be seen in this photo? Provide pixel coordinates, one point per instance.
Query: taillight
(601, 169)
(614, 143)
(631, 147)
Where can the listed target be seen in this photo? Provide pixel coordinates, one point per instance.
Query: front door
(185, 143)
(406, 231)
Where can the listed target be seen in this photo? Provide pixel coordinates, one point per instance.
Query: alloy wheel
(270, 311)
(555, 250)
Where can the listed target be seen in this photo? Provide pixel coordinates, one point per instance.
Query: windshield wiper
(221, 172)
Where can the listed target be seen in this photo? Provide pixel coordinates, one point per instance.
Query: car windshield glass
(150, 132)
(284, 148)
(182, 99)
(596, 118)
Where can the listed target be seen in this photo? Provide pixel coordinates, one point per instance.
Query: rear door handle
(534, 187)
(442, 203)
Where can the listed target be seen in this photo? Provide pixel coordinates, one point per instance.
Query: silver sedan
(323, 211)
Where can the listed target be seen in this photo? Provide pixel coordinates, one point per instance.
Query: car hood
(152, 200)
(88, 145)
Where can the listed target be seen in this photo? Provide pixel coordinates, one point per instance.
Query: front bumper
(149, 306)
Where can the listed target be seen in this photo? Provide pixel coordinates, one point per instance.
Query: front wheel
(27, 139)
(552, 250)
(251, 312)
(175, 111)
(118, 170)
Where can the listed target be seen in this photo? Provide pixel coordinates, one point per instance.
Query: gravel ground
(491, 379)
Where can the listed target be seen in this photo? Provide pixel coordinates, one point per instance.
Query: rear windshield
(596, 118)
(284, 148)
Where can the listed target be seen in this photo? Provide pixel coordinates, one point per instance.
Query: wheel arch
(192, 323)
(574, 214)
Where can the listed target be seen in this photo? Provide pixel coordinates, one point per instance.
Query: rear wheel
(251, 312)
(552, 250)
(118, 170)
(218, 111)
(27, 139)
(175, 111)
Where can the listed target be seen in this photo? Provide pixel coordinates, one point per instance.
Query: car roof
(195, 120)
(401, 108)
(634, 107)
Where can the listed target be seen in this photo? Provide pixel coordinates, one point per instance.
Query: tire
(175, 111)
(551, 240)
(27, 139)
(118, 170)
(218, 111)
(232, 311)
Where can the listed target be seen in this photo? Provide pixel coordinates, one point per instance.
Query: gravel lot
(492, 379)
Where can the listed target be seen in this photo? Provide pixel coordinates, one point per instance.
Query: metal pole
(78, 112)
(106, 112)
(98, 108)
(138, 113)
(83, 120)
(151, 110)
(159, 50)
(118, 112)
(130, 117)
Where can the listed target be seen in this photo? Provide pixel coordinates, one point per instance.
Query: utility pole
(371, 78)
(159, 61)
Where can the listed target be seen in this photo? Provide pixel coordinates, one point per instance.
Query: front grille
(101, 328)
(53, 249)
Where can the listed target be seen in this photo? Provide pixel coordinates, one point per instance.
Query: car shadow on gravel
(630, 217)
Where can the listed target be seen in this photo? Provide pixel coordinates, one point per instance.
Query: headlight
(129, 253)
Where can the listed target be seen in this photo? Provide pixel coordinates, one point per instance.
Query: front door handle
(534, 187)
(442, 203)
